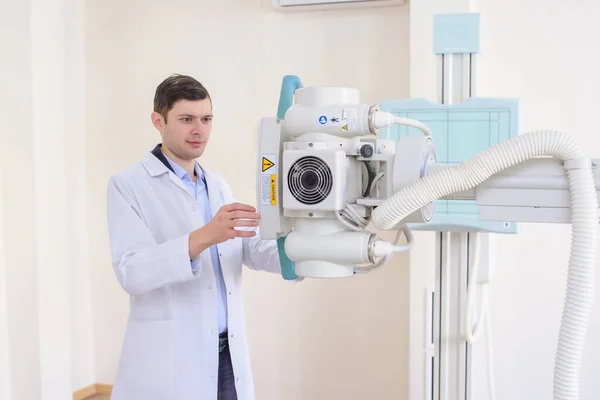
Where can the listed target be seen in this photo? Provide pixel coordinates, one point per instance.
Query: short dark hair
(177, 87)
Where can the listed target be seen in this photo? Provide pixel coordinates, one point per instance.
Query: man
(178, 242)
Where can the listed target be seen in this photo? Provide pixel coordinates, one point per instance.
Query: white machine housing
(315, 176)
(332, 164)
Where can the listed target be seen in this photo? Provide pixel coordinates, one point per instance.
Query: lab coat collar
(157, 152)
(182, 173)
(155, 169)
(157, 163)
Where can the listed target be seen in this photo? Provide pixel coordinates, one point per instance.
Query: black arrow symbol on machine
(334, 119)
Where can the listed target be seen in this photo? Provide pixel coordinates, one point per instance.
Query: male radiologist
(177, 249)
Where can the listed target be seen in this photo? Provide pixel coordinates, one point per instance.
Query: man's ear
(157, 121)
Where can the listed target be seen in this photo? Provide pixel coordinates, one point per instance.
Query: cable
(482, 322)
(396, 249)
(351, 214)
(410, 240)
(347, 223)
(383, 119)
(374, 183)
(584, 219)
(371, 178)
(472, 334)
(382, 261)
(414, 123)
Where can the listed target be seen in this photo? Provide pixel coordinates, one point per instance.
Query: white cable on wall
(584, 220)
(472, 331)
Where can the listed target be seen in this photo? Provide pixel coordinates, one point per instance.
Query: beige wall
(333, 339)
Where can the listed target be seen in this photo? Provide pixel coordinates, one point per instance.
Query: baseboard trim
(89, 391)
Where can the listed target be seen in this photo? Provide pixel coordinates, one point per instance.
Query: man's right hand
(222, 227)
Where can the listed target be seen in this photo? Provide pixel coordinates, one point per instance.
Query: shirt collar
(173, 166)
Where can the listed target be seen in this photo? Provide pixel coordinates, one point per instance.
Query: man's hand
(222, 227)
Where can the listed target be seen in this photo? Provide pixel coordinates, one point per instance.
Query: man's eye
(187, 119)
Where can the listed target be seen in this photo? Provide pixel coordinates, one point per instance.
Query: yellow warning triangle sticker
(266, 164)
(345, 127)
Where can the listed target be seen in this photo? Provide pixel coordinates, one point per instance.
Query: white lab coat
(170, 349)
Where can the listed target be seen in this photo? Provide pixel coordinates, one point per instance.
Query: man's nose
(198, 128)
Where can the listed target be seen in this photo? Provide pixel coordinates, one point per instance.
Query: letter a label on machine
(268, 180)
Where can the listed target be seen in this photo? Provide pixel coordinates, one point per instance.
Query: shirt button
(210, 286)
(230, 293)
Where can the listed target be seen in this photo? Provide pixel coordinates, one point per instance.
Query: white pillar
(45, 317)
(424, 83)
(18, 213)
(48, 67)
(84, 366)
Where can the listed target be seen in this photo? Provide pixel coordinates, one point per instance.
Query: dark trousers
(226, 379)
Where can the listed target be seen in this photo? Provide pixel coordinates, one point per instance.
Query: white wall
(16, 149)
(45, 296)
(334, 339)
(542, 53)
(546, 59)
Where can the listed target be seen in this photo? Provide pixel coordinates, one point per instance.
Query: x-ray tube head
(332, 170)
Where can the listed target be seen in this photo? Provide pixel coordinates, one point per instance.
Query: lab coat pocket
(147, 365)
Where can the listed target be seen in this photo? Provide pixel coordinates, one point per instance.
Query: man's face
(187, 129)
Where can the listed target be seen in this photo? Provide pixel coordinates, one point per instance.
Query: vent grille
(310, 180)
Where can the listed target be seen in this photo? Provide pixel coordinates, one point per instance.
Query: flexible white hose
(584, 221)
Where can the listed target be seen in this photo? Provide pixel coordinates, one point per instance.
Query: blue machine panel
(456, 33)
(459, 131)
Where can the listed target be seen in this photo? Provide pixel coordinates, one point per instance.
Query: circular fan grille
(310, 180)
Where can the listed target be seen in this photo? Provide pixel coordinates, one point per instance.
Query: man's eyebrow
(194, 116)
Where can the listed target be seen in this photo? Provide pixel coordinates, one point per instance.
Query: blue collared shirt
(199, 190)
